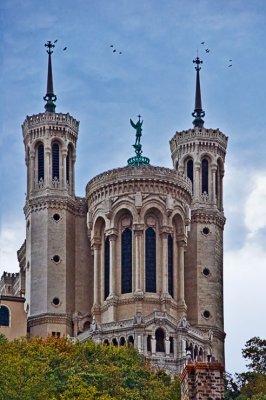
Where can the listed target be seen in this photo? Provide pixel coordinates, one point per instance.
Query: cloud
(255, 207)
(12, 236)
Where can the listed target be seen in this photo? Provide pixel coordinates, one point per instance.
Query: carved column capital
(112, 234)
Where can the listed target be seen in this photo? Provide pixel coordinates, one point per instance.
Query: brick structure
(202, 381)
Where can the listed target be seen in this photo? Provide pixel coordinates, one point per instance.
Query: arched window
(106, 267)
(122, 341)
(149, 343)
(170, 266)
(159, 337)
(67, 168)
(40, 162)
(130, 341)
(126, 261)
(55, 160)
(205, 176)
(190, 170)
(4, 316)
(150, 260)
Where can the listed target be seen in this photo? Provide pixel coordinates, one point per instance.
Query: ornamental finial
(50, 97)
(198, 113)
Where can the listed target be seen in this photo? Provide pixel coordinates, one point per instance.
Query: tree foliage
(250, 385)
(57, 369)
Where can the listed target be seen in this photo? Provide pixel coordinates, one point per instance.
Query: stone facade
(139, 259)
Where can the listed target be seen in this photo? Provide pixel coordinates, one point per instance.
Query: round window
(56, 258)
(56, 217)
(56, 301)
(206, 314)
(206, 272)
(206, 231)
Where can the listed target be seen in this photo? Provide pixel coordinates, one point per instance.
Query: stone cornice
(199, 135)
(205, 217)
(50, 318)
(145, 179)
(76, 206)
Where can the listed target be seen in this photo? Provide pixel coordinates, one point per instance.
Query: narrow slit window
(40, 162)
(106, 267)
(205, 176)
(170, 266)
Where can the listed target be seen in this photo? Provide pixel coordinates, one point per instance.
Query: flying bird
(207, 50)
(111, 45)
(230, 60)
(55, 41)
(114, 50)
(202, 42)
(230, 65)
(120, 52)
(64, 48)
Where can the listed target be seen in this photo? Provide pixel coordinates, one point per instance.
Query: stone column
(167, 346)
(197, 180)
(181, 280)
(96, 243)
(112, 238)
(139, 273)
(32, 170)
(213, 171)
(63, 180)
(164, 236)
(47, 166)
(153, 345)
(72, 174)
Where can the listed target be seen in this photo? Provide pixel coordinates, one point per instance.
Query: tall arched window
(170, 266)
(126, 261)
(150, 260)
(106, 267)
(55, 160)
(67, 168)
(4, 316)
(40, 162)
(159, 337)
(190, 170)
(205, 176)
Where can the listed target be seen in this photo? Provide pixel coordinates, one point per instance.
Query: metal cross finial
(50, 46)
(198, 62)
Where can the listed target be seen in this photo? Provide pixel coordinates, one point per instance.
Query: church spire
(198, 113)
(50, 97)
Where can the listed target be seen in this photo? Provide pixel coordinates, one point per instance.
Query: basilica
(139, 259)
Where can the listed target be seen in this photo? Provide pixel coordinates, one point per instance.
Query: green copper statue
(138, 159)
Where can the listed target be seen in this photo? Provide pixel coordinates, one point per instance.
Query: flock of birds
(115, 50)
(208, 51)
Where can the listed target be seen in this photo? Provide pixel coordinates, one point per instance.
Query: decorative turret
(50, 97)
(198, 113)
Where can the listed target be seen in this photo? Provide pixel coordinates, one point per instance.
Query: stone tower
(199, 154)
(55, 221)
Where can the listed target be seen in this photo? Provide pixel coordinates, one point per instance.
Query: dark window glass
(149, 343)
(190, 170)
(40, 162)
(159, 336)
(171, 345)
(67, 168)
(55, 158)
(4, 316)
(205, 175)
(106, 267)
(126, 260)
(150, 260)
(170, 266)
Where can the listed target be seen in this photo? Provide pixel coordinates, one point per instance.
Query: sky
(155, 77)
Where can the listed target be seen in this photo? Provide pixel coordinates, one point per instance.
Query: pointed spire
(198, 113)
(50, 97)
